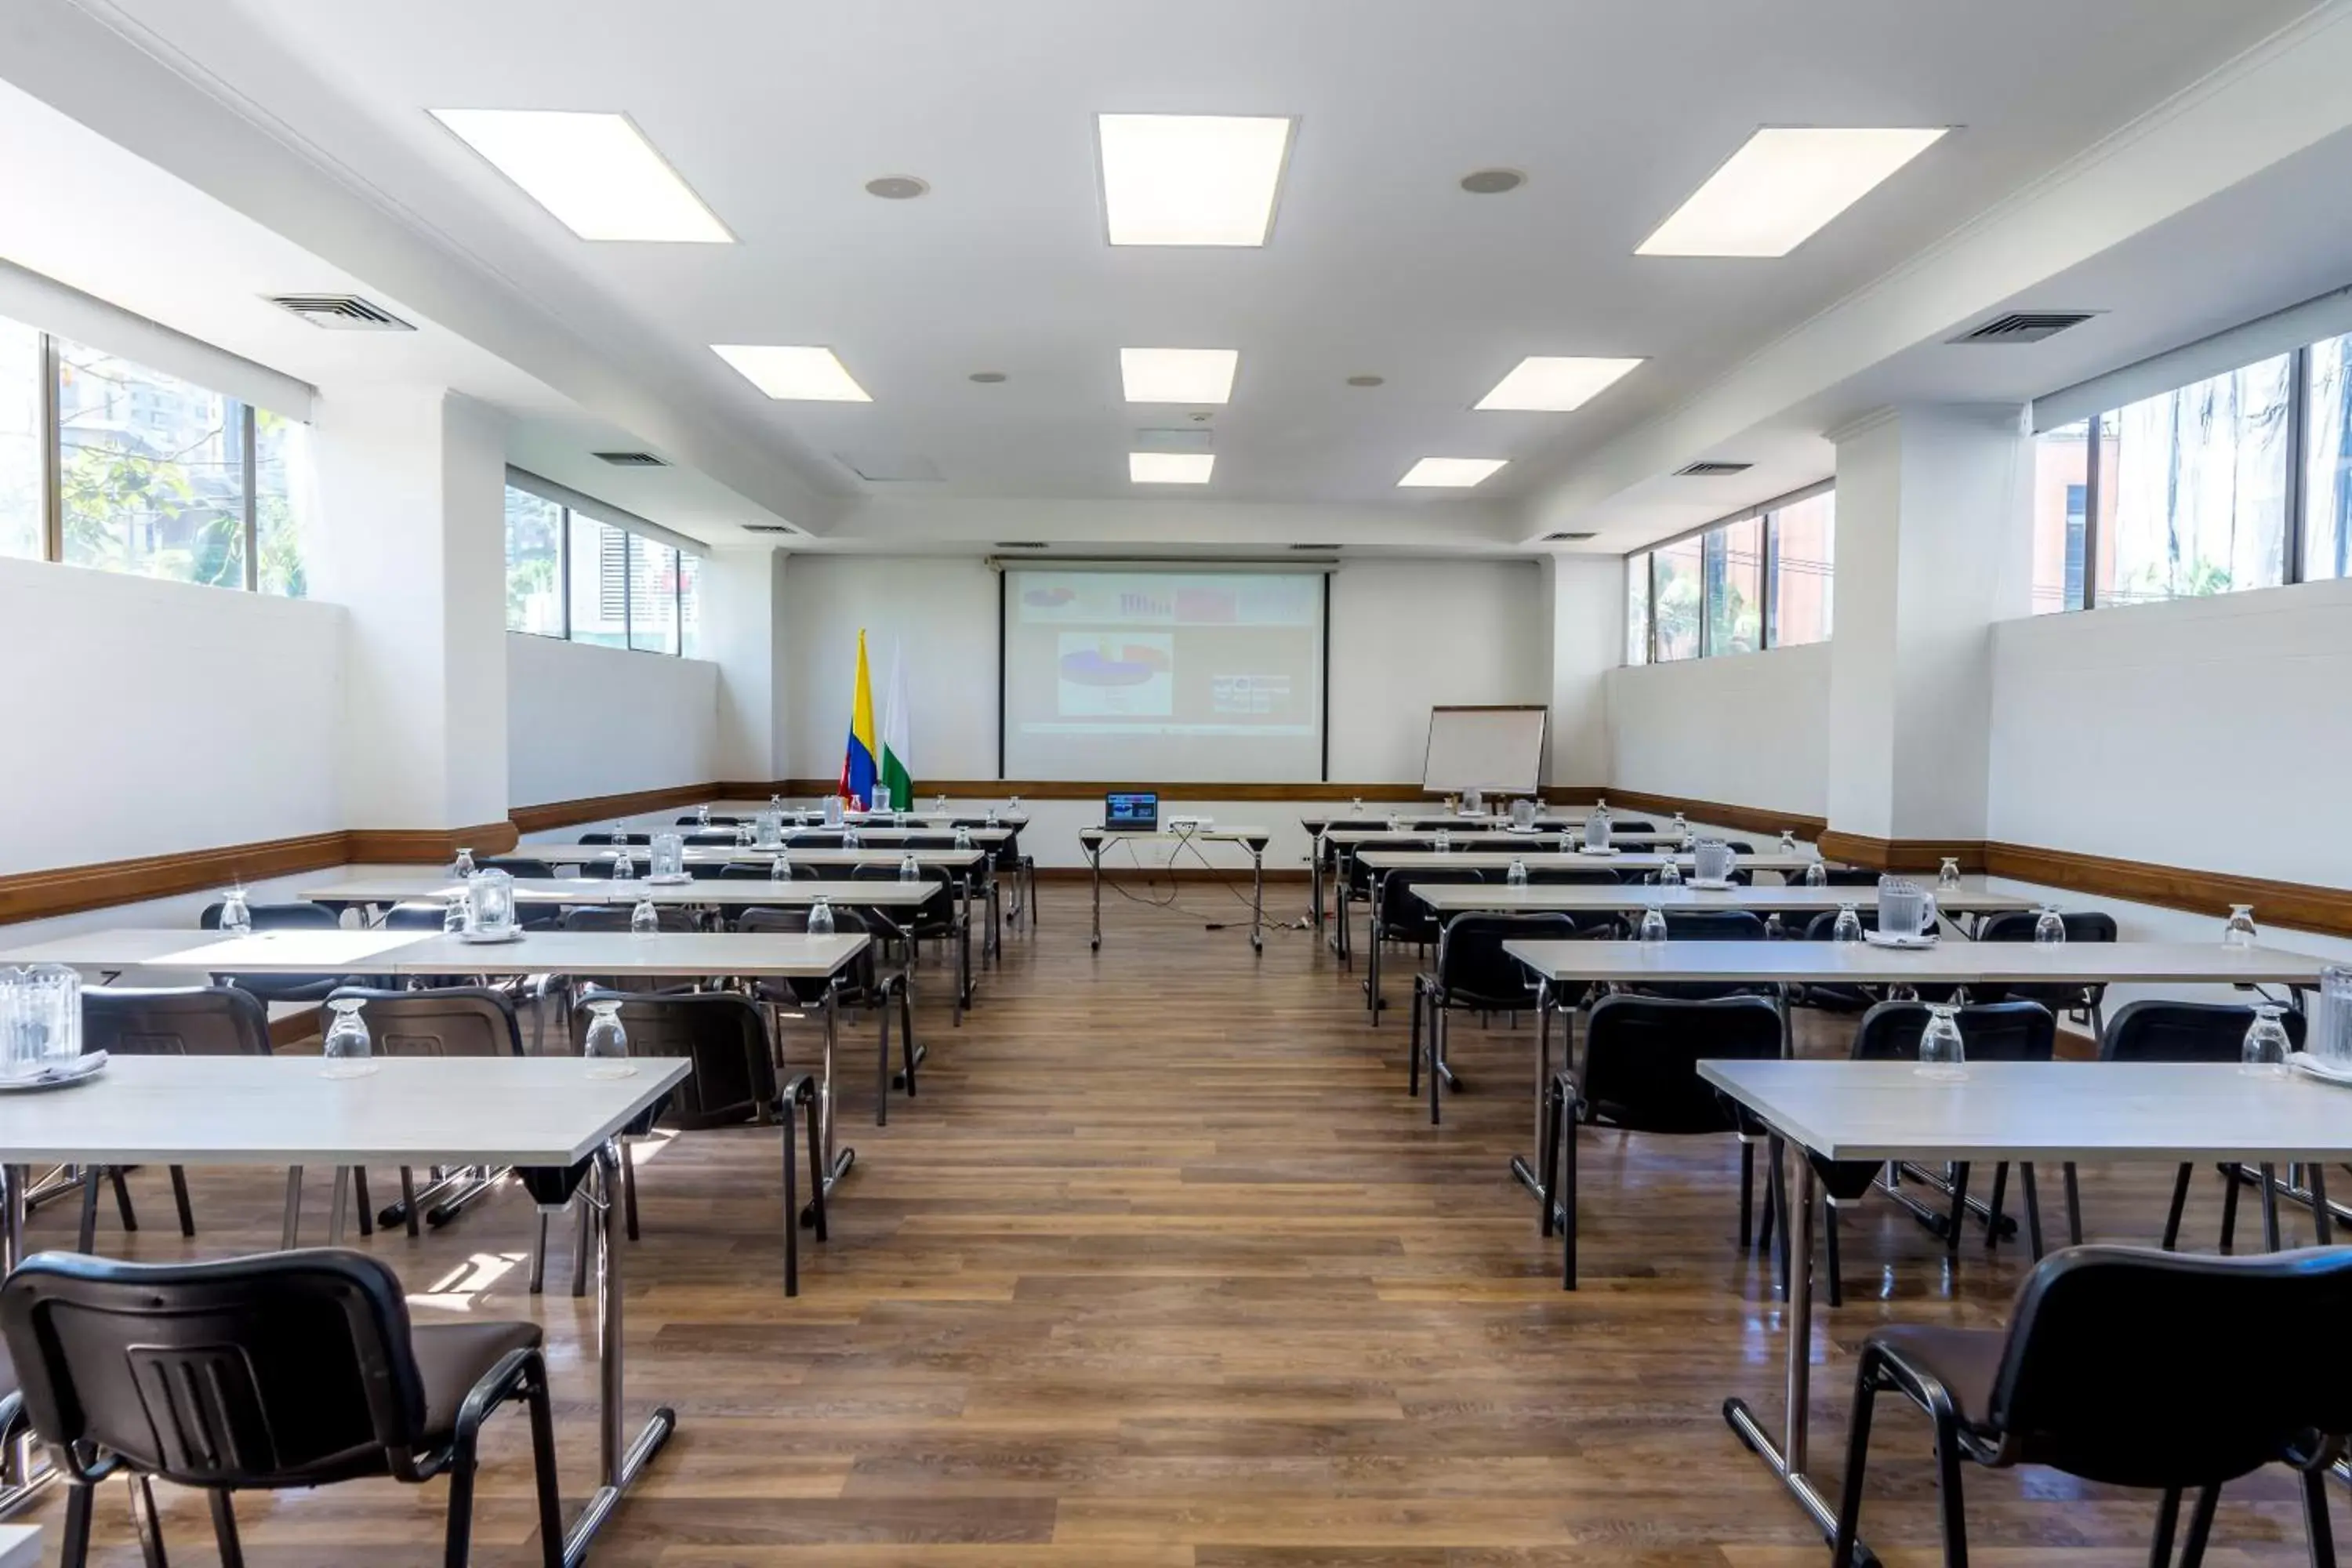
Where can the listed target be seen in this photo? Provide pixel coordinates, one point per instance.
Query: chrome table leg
(620, 1458)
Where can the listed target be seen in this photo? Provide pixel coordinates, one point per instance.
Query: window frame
(565, 513)
(1767, 515)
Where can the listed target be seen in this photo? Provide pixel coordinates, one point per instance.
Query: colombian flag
(857, 763)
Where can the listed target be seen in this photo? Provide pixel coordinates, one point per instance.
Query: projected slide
(1163, 675)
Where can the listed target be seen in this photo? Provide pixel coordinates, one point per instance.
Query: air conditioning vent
(1567, 538)
(340, 312)
(632, 459)
(1326, 549)
(1712, 471)
(770, 527)
(2025, 326)
(1019, 544)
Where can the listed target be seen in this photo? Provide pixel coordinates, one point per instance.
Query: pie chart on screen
(1114, 664)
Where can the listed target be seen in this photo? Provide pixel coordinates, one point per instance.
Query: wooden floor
(1164, 1269)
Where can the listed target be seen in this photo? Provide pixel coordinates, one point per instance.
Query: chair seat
(453, 1357)
(1965, 1361)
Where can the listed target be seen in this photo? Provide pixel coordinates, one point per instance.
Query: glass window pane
(151, 472)
(1735, 587)
(2327, 505)
(22, 523)
(2200, 479)
(282, 497)
(689, 606)
(1676, 600)
(652, 596)
(599, 583)
(1804, 563)
(2061, 462)
(534, 556)
(1637, 608)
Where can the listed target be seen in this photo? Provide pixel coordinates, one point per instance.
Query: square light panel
(1178, 375)
(1170, 467)
(798, 374)
(1450, 473)
(1191, 179)
(1554, 384)
(1782, 186)
(596, 173)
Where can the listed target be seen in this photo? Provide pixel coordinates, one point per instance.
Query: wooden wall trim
(70, 890)
(2296, 906)
(424, 844)
(1068, 789)
(605, 807)
(1748, 818)
(1901, 854)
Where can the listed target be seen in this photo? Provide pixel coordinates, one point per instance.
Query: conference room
(1319, 784)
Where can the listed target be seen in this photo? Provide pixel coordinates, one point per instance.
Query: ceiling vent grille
(1020, 544)
(1712, 471)
(770, 527)
(1567, 538)
(1326, 549)
(2025, 326)
(632, 459)
(340, 312)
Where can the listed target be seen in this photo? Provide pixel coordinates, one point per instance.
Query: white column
(1934, 530)
(743, 620)
(412, 544)
(1584, 599)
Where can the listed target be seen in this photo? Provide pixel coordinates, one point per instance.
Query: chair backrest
(1989, 1032)
(1739, 846)
(757, 872)
(2096, 1380)
(815, 840)
(712, 870)
(1406, 918)
(1570, 876)
(857, 976)
(448, 1021)
(1631, 824)
(519, 866)
(720, 1031)
(1819, 928)
(264, 1372)
(1849, 877)
(1714, 925)
(1642, 1057)
(710, 837)
(715, 820)
(616, 839)
(416, 915)
(1359, 876)
(615, 917)
(183, 1021)
(277, 916)
(2017, 925)
(929, 841)
(2182, 1032)
(1474, 971)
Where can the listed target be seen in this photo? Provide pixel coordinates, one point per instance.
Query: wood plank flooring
(1164, 1269)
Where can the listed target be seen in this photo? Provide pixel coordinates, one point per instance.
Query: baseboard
(2295, 906)
(368, 845)
(70, 890)
(1901, 854)
(1721, 813)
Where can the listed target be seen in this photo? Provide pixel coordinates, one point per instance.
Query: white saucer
(2310, 1066)
(484, 939)
(1598, 854)
(1906, 944)
(73, 1069)
(680, 881)
(1724, 886)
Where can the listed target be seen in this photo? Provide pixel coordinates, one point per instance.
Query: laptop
(1131, 811)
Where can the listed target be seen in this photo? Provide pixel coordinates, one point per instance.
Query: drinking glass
(1711, 860)
(1787, 842)
(833, 811)
(1947, 876)
(607, 1043)
(820, 918)
(347, 1045)
(1816, 874)
(235, 916)
(940, 804)
(1396, 823)
(849, 838)
(1473, 803)
(1516, 877)
(1847, 927)
(962, 837)
(1681, 826)
(644, 920)
(463, 866)
(776, 804)
(2329, 1037)
(2049, 927)
(908, 871)
(624, 865)
(780, 869)
(746, 835)
(452, 915)
(1941, 1053)
(1445, 841)
(1670, 875)
(1016, 803)
(703, 817)
(2267, 1047)
(1356, 806)
(899, 819)
(2237, 931)
(1654, 924)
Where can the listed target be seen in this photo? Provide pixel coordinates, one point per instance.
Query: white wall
(1586, 610)
(2212, 734)
(584, 721)
(1411, 634)
(146, 717)
(1750, 728)
(939, 610)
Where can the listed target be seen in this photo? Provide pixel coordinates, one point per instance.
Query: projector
(1191, 824)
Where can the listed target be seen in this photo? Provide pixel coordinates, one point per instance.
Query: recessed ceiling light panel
(794, 372)
(1554, 384)
(1178, 375)
(1782, 186)
(1170, 467)
(1191, 179)
(1450, 473)
(596, 173)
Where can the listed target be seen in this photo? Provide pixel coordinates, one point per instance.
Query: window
(2327, 461)
(573, 577)
(1760, 579)
(2062, 470)
(107, 464)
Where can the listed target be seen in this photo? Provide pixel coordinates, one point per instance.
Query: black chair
(2207, 1032)
(713, 820)
(2090, 1378)
(285, 917)
(941, 918)
(1474, 975)
(1357, 880)
(519, 865)
(2017, 925)
(755, 872)
(1547, 875)
(1630, 824)
(712, 838)
(830, 840)
(1991, 1032)
(1401, 918)
(864, 982)
(192, 1021)
(1641, 1075)
(289, 1370)
(1707, 925)
(611, 839)
(1021, 868)
(1849, 877)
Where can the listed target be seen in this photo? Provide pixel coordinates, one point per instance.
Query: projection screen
(1151, 677)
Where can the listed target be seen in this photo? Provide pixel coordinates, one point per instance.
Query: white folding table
(1095, 841)
(546, 1113)
(2016, 1111)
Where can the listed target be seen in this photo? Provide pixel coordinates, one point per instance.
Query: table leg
(1372, 953)
(1258, 898)
(1315, 860)
(1093, 859)
(291, 1229)
(1525, 1166)
(620, 1458)
(836, 1161)
(336, 1204)
(963, 954)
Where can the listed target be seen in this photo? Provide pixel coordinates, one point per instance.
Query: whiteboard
(1497, 750)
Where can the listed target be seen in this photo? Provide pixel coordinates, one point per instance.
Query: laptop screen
(1131, 811)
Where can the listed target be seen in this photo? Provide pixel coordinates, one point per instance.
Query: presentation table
(1095, 841)
(2174, 1113)
(549, 1112)
(1564, 969)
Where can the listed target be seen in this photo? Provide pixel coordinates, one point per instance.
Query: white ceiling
(778, 112)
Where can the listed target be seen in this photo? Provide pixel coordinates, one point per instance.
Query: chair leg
(1746, 1195)
(86, 1238)
(122, 1198)
(629, 1184)
(583, 1217)
(882, 1068)
(1992, 1205)
(2315, 1519)
(458, 1551)
(543, 1461)
(907, 1034)
(1436, 1056)
(1960, 1205)
(2270, 1207)
(143, 1521)
(73, 1535)
(407, 1198)
(2322, 1220)
(2179, 1204)
(1954, 1515)
(2228, 1208)
(232, 1550)
(2201, 1526)
(1412, 1055)
(1830, 1249)
(2167, 1520)
(1857, 1454)
(2033, 1209)
(2073, 1203)
(538, 1255)
(180, 1200)
(1548, 1155)
(360, 1196)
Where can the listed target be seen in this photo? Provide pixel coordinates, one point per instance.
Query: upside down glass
(1942, 1054)
(2049, 927)
(1654, 924)
(346, 1046)
(1516, 877)
(606, 1043)
(2267, 1045)
(2239, 930)
(820, 917)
